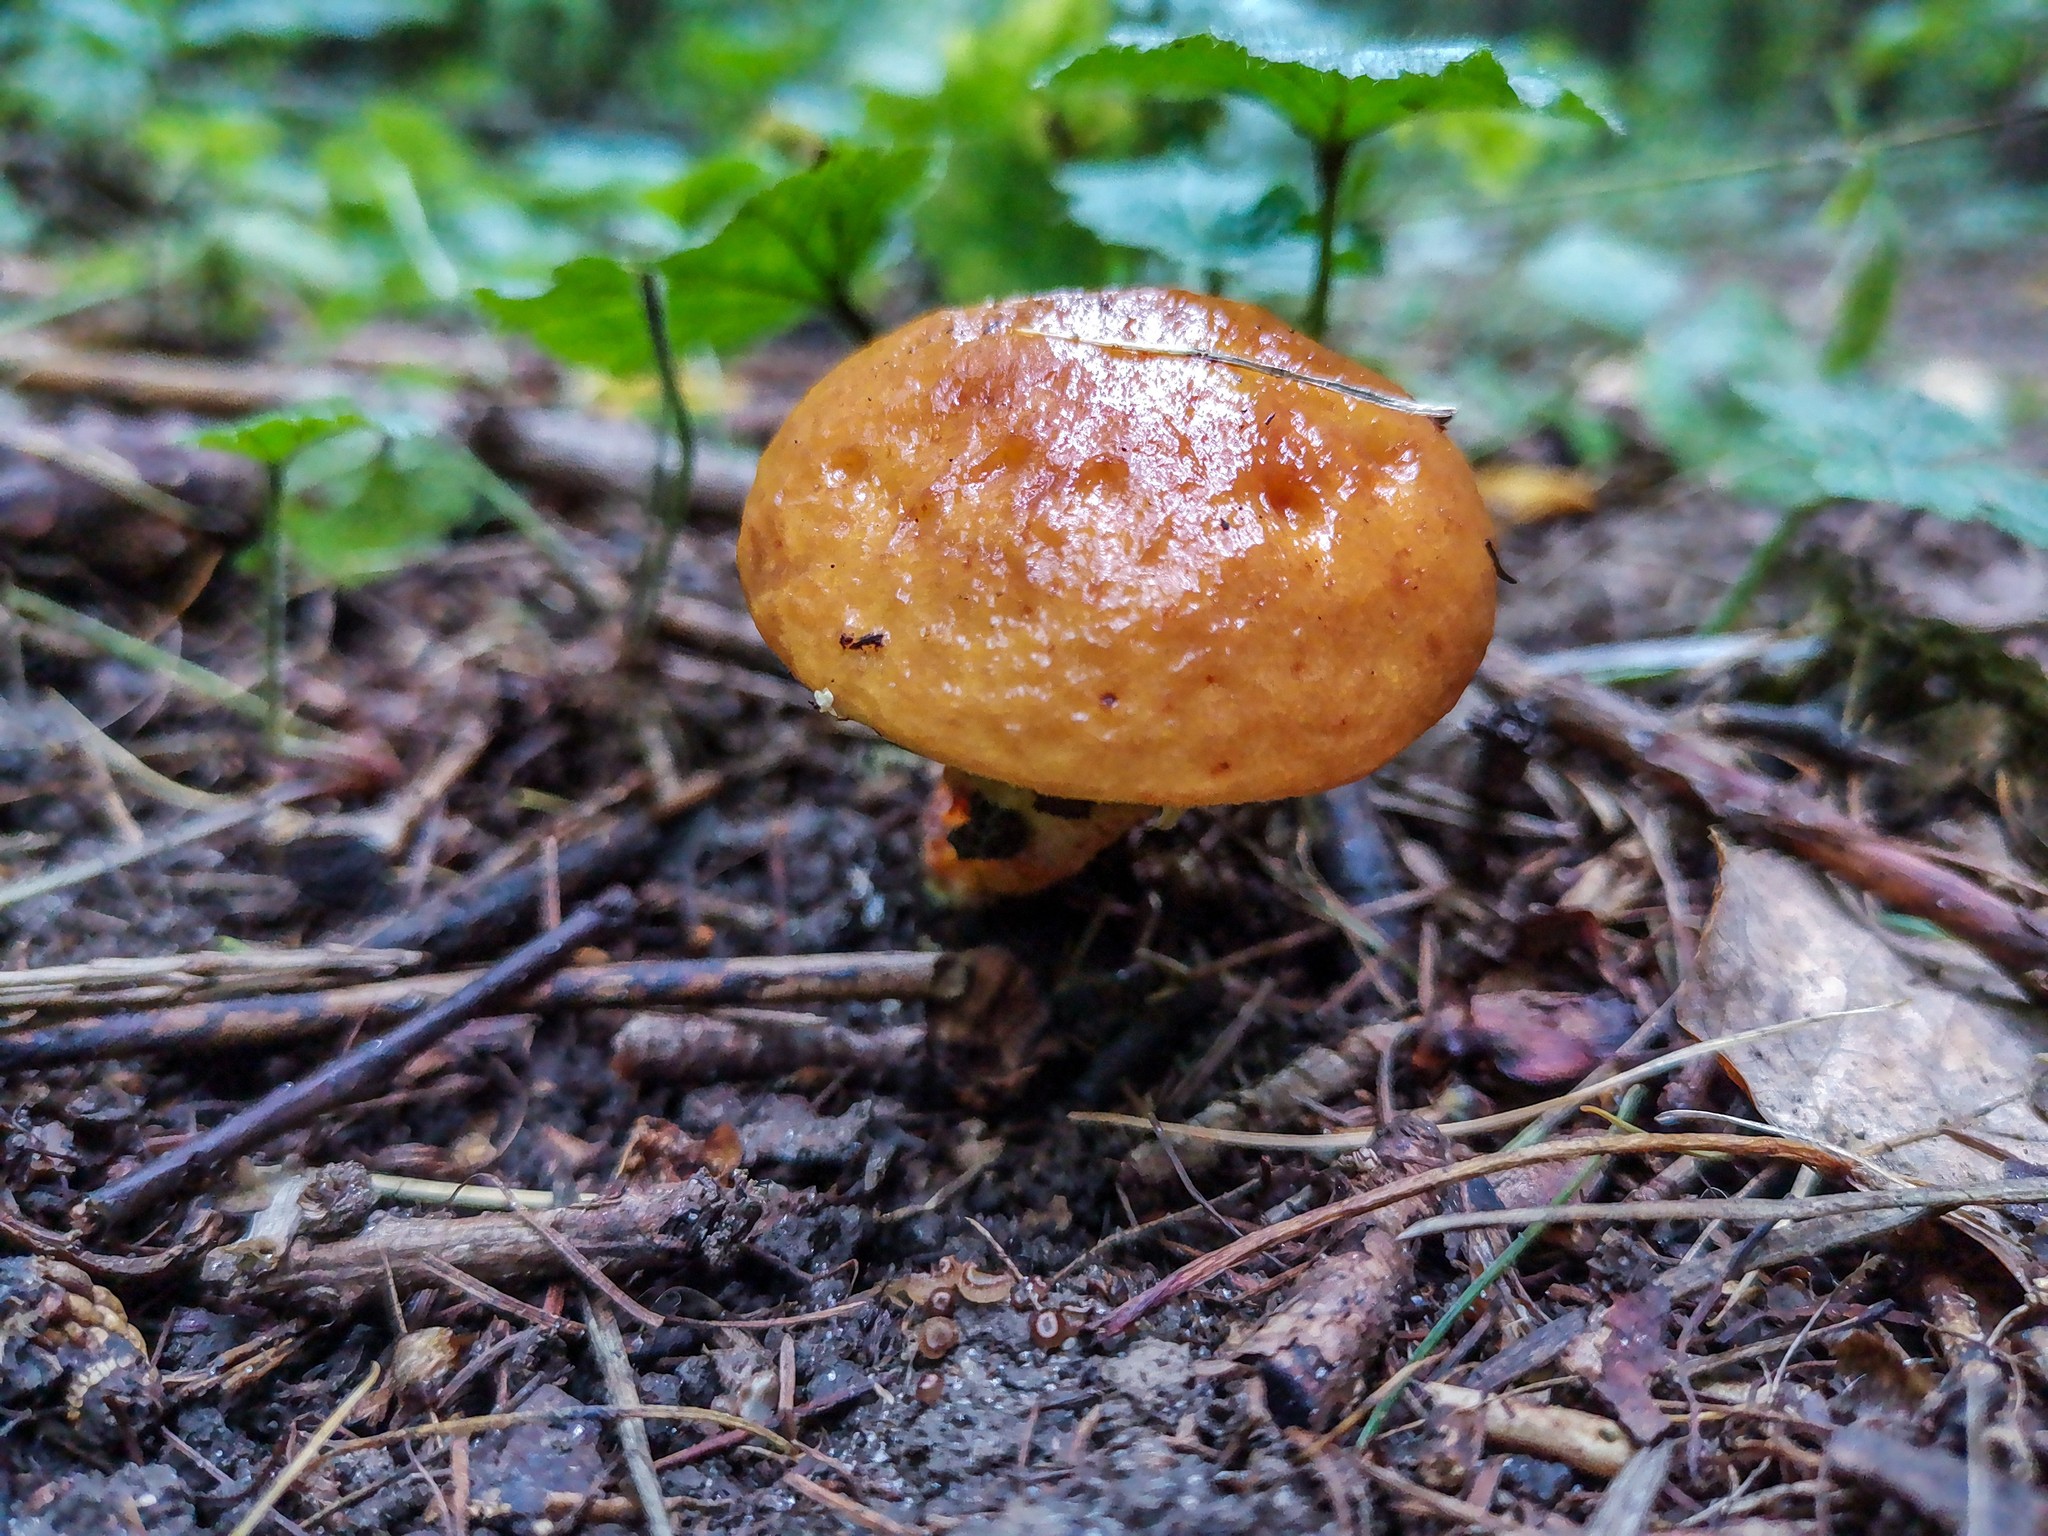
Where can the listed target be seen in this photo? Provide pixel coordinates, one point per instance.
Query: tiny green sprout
(273, 440)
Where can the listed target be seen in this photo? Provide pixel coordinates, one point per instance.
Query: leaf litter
(910, 1299)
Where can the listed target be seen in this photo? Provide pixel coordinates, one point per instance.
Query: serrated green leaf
(1872, 443)
(276, 437)
(706, 190)
(1331, 96)
(589, 315)
(794, 247)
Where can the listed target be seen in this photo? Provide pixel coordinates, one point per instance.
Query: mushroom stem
(985, 839)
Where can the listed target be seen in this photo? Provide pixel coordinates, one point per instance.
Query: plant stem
(554, 546)
(851, 318)
(1330, 159)
(276, 593)
(1762, 561)
(669, 496)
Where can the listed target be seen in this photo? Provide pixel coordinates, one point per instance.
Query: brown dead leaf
(1539, 1038)
(1623, 1355)
(1881, 1374)
(1535, 493)
(1779, 945)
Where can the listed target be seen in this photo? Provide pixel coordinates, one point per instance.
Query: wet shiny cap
(1106, 574)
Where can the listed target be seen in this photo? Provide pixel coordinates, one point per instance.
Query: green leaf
(1872, 283)
(993, 222)
(589, 315)
(277, 437)
(1851, 193)
(1688, 367)
(1872, 443)
(368, 502)
(795, 247)
(1331, 96)
(707, 190)
(1204, 218)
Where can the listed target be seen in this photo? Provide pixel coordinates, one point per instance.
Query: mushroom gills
(985, 839)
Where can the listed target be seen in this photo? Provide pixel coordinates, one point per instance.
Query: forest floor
(843, 1241)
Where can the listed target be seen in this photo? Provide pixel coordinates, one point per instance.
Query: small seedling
(274, 440)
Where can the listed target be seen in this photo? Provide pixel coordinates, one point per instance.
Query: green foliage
(709, 190)
(589, 315)
(1329, 95)
(216, 23)
(1869, 287)
(1738, 397)
(361, 496)
(797, 246)
(1209, 223)
(1333, 97)
(1866, 442)
(1603, 280)
(83, 66)
(994, 223)
(277, 437)
(364, 503)
(1688, 372)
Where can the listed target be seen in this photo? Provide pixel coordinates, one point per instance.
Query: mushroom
(1100, 553)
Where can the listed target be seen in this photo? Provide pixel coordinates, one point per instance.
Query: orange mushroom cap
(1116, 575)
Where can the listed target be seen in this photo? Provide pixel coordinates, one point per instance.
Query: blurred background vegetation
(229, 176)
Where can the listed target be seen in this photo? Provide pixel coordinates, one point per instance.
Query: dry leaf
(1535, 493)
(1621, 1357)
(1780, 945)
(1541, 1038)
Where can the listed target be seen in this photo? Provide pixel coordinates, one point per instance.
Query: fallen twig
(246, 1023)
(1322, 1074)
(696, 1222)
(105, 469)
(360, 1072)
(483, 915)
(1334, 1142)
(302, 739)
(846, 1508)
(1895, 872)
(484, 1423)
(1584, 1441)
(193, 829)
(123, 982)
(695, 1048)
(623, 1388)
(601, 456)
(1311, 1348)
